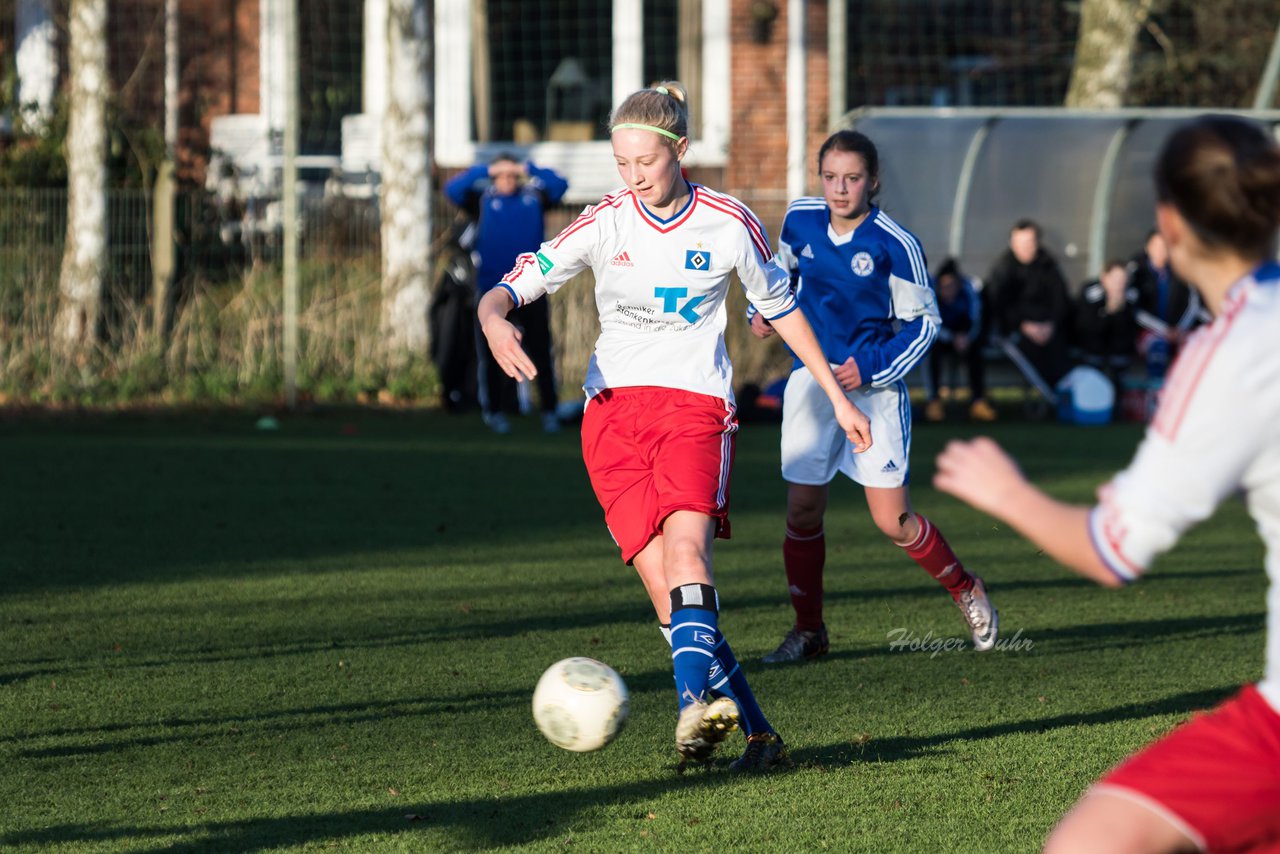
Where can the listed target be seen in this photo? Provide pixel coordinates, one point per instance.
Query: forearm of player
(1060, 529)
(980, 473)
(496, 303)
(798, 335)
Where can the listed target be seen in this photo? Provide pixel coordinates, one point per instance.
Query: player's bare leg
(680, 560)
(1104, 821)
(891, 511)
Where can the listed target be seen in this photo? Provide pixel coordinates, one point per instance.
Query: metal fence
(212, 238)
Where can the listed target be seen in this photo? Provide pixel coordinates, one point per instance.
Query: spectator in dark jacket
(1167, 309)
(1030, 302)
(1106, 326)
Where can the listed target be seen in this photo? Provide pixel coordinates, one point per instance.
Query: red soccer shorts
(652, 451)
(1217, 777)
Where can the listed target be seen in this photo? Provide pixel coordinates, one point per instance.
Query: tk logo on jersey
(671, 302)
(862, 265)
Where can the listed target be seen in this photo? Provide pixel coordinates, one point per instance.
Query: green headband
(658, 130)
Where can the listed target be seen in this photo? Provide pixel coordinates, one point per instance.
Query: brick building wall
(756, 171)
(218, 57)
(220, 73)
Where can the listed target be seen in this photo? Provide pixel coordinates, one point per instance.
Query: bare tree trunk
(406, 182)
(1104, 52)
(162, 235)
(84, 255)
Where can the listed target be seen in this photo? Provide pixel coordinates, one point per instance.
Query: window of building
(545, 82)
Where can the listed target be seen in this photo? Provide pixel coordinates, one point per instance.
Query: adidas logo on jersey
(807, 251)
(622, 259)
(889, 466)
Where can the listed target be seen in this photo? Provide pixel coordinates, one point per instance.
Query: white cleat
(702, 726)
(980, 614)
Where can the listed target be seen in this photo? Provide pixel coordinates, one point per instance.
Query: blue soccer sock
(718, 684)
(727, 678)
(694, 616)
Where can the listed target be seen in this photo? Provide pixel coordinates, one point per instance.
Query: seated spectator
(1030, 303)
(960, 339)
(1106, 328)
(1167, 309)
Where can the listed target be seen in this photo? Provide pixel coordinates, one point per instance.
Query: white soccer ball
(580, 704)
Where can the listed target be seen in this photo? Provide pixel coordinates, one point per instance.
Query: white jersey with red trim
(1216, 433)
(660, 286)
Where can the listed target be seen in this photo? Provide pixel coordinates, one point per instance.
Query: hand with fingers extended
(504, 343)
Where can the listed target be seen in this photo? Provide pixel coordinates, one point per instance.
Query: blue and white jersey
(866, 293)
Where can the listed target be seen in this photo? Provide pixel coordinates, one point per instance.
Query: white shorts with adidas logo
(814, 447)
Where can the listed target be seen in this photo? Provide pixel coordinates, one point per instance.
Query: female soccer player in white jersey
(1214, 783)
(658, 432)
(863, 284)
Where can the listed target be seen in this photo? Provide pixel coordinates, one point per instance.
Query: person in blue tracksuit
(507, 200)
(961, 337)
(861, 280)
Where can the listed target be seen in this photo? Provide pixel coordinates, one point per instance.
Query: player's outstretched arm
(795, 330)
(503, 337)
(981, 474)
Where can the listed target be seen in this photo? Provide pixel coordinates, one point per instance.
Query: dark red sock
(931, 551)
(804, 553)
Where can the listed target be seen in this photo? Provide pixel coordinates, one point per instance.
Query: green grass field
(326, 637)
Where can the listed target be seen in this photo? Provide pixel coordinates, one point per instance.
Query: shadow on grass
(898, 748)
(468, 824)
(460, 629)
(456, 627)
(1071, 640)
(509, 820)
(154, 498)
(1056, 641)
(199, 729)
(150, 506)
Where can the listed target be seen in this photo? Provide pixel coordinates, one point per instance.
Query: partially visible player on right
(1213, 783)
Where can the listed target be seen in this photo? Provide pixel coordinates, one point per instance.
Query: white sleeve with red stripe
(559, 259)
(767, 284)
(787, 261)
(1207, 431)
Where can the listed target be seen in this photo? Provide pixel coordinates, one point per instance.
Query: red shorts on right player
(1216, 777)
(651, 451)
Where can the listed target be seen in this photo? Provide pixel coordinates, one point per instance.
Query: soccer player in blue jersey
(861, 280)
